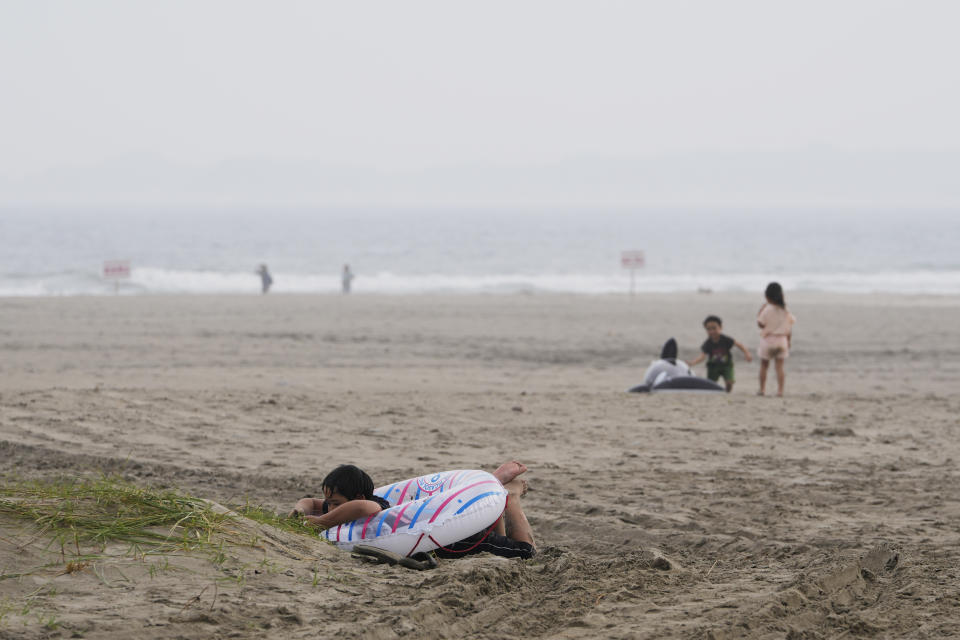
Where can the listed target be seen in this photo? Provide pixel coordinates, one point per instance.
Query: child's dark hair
(349, 481)
(713, 319)
(774, 294)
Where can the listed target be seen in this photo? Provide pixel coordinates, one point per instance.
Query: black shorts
(494, 543)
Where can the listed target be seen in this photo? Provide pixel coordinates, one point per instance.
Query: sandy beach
(833, 512)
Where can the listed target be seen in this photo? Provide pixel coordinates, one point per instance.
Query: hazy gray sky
(196, 99)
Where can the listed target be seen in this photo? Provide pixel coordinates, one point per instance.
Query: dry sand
(833, 512)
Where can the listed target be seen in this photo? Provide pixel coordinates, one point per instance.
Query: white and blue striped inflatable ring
(430, 511)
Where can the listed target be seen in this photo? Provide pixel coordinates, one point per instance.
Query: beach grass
(81, 517)
(112, 532)
(269, 517)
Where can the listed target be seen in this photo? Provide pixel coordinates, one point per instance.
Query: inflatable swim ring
(428, 512)
(670, 374)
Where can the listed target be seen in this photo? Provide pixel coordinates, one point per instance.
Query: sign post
(116, 270)
(633, 260)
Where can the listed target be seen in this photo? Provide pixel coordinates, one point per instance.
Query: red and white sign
(116, 269)
(632, 259)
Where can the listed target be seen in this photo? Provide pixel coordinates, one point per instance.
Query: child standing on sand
(776, 331)
(718, 348)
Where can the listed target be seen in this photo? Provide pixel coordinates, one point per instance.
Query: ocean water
(47, 252)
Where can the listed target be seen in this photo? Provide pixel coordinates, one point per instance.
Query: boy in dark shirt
(717, 349)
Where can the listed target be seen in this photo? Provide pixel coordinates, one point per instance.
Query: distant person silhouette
(265, 279)
(347, 278)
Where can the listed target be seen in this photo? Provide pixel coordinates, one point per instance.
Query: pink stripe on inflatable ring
(469, 486)
(399, 515)
(363, 532)
(410, 553)
(451, 479)
(404, 492)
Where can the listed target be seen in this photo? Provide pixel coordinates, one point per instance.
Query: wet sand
(832, 512)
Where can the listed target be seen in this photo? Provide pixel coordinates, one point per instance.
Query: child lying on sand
(348, 493)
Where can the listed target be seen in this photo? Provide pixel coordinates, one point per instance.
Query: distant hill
(808, 177)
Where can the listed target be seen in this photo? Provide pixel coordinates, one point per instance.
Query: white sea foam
(146, 280)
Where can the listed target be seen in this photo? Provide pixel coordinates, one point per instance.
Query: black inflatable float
(666, 374)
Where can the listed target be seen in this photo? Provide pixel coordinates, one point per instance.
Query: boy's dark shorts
(494, 543)
(718, 370)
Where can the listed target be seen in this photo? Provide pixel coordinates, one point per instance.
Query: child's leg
(781, 376)
(519, 528)
(515, 520)
(512, 537)
(764, 365)
(516, 487)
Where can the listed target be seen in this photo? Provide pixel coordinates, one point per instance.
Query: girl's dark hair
(713, 319)
(351, 482)
(774, 294)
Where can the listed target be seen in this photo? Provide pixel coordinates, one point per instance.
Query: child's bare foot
(506, 472)
(516, 487)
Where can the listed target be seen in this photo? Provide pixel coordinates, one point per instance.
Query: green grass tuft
(110, 510)
(270, 518)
